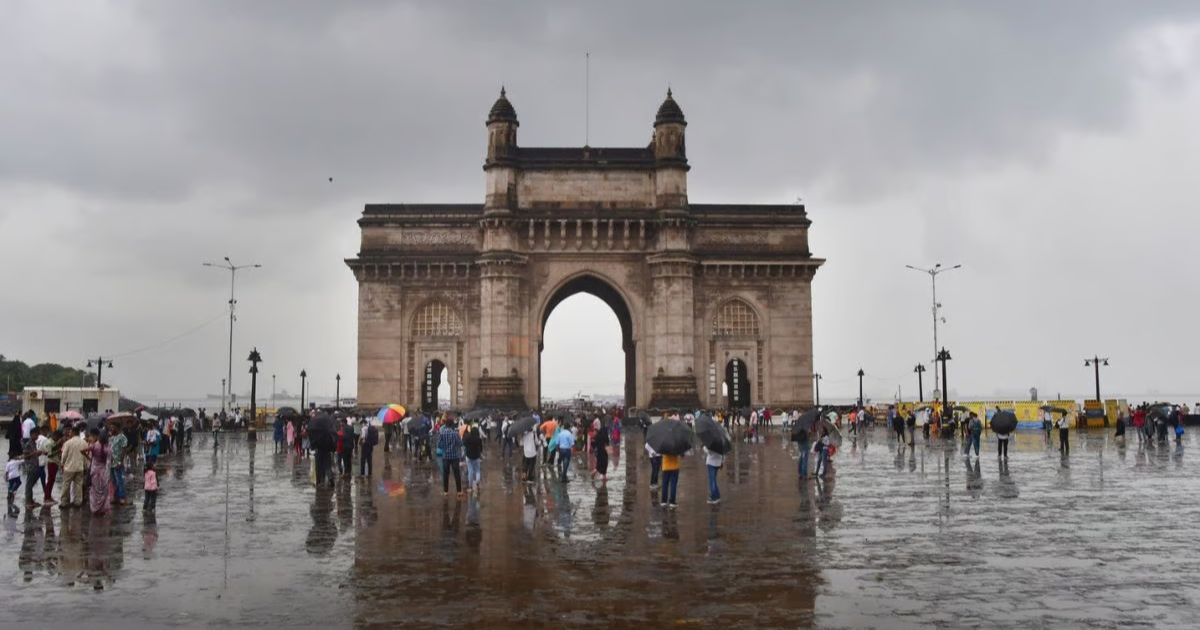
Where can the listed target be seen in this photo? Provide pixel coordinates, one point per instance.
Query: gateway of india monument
(714, 300)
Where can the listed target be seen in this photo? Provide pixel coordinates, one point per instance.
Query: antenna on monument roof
(587, 96)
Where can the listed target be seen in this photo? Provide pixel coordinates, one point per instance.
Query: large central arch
(594, 285)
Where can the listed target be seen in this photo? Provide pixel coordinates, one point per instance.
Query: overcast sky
(1050, 148)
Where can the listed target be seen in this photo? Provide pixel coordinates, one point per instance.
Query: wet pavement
(902, 537)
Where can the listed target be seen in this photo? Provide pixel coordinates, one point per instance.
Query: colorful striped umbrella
(391, 414)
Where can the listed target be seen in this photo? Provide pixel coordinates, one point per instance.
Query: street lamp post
(255, 358)
(944, 357)
(1096, 361)
(233, 269)
(99, 363)
(860, 390)
(222, 399)
(303, 375)
(273, 392)
(933, 274)
(337, 402)
(817, 385)
(920, 370)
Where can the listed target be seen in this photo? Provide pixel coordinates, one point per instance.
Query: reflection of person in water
(323, 532)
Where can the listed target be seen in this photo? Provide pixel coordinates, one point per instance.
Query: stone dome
(502, 110)
(669, 111)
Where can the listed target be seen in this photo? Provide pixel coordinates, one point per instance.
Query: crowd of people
(90, 460)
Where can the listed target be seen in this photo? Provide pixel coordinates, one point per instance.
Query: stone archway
(603, 289)
(613, 222)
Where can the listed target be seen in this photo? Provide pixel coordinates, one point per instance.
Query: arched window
(735, 318)
(437, 319)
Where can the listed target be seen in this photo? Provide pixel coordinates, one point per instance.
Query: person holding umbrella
(673, 439)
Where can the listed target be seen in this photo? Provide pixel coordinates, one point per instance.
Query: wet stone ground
(902, 537)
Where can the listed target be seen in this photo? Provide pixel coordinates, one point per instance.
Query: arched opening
(595, 287)
(436, 386)
(737, 384)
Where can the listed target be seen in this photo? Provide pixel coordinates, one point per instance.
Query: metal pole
(1098, 399)
(860, 387)
(337, 402)
(945, 383)
(817, 379)
(222, 396)
(920, 384)
(933, 281)
(232, 279)
(273, 392)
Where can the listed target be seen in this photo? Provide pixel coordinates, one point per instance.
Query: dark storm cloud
(185, 131)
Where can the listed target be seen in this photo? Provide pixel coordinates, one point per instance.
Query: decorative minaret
(502, 268)
(672, 267)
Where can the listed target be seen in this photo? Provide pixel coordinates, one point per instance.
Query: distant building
(85, 400)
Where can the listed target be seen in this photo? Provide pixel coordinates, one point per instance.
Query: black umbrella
(321, 431)
(643, 418)
(1158, 413)
(962, 409)
(669, 437)
(805, 422)
(1004, 422)
(1058, 410)
(96, 420)
(712, 435)
(477, 414)
(286, 412)
(522, 425)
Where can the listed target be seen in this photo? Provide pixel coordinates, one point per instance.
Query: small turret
(669, 127)
(502, 130)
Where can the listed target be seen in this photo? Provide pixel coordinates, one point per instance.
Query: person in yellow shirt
(670, 479)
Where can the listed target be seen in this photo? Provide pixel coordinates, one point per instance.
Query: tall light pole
(933, 274)
(337, 396)
(252, 429)
(817, 384)
(233, 269)
(1097, 361)
(273, 392)
(861, 374)
(99, 363)
(944, 357)
(920, 370)
(303, 375)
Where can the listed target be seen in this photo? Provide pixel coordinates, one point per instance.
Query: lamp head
(303, 373)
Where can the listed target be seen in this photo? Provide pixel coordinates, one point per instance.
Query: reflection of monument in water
(713, 300)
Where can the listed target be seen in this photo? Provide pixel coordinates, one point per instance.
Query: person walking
(53, 451)
(346, 446)
(713, 461)
(99, 474)
(366, 463)
(974, 433)
(911, 424)
(280, 431)
(117, 444)
(74, 466)
(600, 444)
(565, 443)
(670, 479)
(473, 449)
(1064, 434)
(14, 437)
(529, 449)
(29, 465)
(149, 489)
(822, 449)
(655, 466)
(450, 446)
(800, 437)
(1002, 445)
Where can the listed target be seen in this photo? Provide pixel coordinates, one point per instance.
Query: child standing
(12, 473)
(150, 488)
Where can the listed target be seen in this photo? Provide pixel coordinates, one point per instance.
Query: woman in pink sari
(99, 453)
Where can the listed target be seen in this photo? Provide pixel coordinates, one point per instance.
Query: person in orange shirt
(548, 429)
(670, 479)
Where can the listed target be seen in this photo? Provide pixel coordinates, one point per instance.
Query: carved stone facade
(714, 301)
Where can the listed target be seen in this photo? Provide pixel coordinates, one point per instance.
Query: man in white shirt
(529, 448)
(1064, 432)
(27, 425)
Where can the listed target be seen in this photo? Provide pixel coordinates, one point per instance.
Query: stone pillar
(503, 347)
(673, 356)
